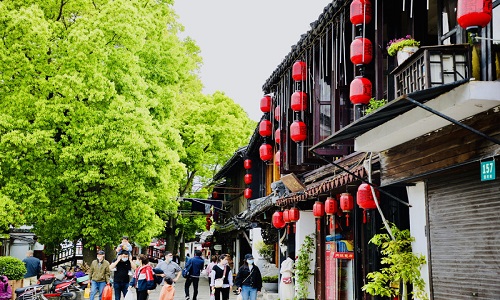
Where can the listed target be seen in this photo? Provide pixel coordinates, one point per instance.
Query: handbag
(107, 293)
(286, 280)
(219, 282)
(86, 293)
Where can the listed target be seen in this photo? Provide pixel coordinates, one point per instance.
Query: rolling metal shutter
(464, 228)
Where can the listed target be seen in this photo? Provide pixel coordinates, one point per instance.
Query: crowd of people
(140, 276)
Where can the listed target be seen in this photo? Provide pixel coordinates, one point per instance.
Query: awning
(203, 205)
(313, 190)
(385, 113)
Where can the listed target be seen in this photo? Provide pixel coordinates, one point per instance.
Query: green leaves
(402, 265)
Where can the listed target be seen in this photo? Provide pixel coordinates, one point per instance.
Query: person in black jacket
(121, 267)
(249, 279)
(194, 265)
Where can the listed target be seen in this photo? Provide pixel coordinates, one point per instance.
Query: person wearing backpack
(194, 267)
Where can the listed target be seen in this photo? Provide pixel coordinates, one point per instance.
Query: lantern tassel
(331, 223)
(347, 220)
(364, 216)
(318, 224)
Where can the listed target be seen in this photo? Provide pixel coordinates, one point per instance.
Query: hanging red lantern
(278, 221)
(277, 113)
(277, 158)
(265, 104)
(215, 195)
(298, 131)
(299, 71)
(248, 178)
(266, 152)
(347, 205)
(298, 101)
(360, 90)
(277, 136)
(474, 13)
(247, 193)
(247, 164)
(318, 212)
(286, 218)
(265, 128)
(294, 215)
(364, 198)
(360, 12)
(361, 51)
(331, 209)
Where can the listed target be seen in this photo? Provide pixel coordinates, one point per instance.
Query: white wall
(418, 221)
(305, 226)
(256, 238)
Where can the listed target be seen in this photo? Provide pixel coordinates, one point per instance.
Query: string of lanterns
(298, 103)
(266, 129)
(360, 90)
(247, 165)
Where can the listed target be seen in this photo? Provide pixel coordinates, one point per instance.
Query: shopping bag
(86, 293)
(107, 293)
(130, 295)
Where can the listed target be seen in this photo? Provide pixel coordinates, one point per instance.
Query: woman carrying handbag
(221, 278)
(249, 279)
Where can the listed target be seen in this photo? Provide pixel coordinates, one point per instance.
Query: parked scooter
(49, 287)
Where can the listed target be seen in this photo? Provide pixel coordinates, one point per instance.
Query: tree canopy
(94, 140)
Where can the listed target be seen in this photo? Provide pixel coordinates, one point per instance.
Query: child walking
(168, 290)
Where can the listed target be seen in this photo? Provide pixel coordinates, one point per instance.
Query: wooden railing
(68, 254)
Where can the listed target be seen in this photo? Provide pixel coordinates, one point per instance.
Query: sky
(242, 42)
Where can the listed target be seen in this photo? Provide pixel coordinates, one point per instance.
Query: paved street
(203, 291)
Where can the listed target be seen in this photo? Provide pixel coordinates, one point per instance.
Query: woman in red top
(143, 279)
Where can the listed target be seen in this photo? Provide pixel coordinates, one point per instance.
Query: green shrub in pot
(12, 267)
(270, 279)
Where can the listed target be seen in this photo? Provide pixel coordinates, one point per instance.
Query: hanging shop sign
(488, 170)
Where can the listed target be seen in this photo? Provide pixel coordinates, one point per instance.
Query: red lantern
(277, 158)
(294, 215)
(298, 101)
(360, 90)
(247, 164)
(265, 104)
(360, 12)
(331, 209)
(277, 113)
(347, 205)
(278, 221)
(277, 136)
(247, 178)
(215, 195)
(364, 198)
(265, 128)
(361, 51)
(474, 13)
(266, 152)
(247, 193)
(298, 131)
(318, 212)
(286, 218)
(299, 71)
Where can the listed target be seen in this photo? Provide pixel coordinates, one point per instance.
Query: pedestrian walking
(33, 269)
(169, 268)
(143, 279)
(99, 275)
(168, 289)
(213, 261)
(123, 267)
(194, 265)
(287, 289)
(221, 278)
(249, 279)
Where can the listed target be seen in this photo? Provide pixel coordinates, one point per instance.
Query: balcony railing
(432, 66)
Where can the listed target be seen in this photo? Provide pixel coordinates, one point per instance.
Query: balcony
(432, 66)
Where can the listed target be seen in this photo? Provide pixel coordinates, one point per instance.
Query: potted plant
(402, 47)
(14, 269)
(270, 283)
(374, 105)
(402, 267)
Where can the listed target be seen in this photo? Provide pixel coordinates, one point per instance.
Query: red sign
(343, 255)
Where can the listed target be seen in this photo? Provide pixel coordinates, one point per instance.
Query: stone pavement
(203, 292)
